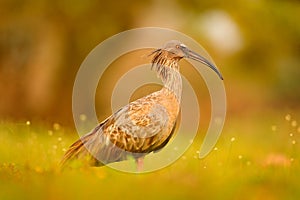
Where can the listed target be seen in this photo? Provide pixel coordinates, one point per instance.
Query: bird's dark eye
(177, 46)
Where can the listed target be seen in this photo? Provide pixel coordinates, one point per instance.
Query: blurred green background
(255, 43)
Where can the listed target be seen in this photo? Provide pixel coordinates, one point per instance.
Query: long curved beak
(193, 55)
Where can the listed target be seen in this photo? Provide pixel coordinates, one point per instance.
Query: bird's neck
(173, 82)
(171, 78)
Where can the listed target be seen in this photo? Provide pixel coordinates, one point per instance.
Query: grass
(260, 161)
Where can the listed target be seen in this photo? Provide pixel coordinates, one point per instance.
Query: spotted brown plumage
(143, 126)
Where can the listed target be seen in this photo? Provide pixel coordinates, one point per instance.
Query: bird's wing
(139, 126)
(135, 130)
(141, 119)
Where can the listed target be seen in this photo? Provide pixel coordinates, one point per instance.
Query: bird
(145, 125)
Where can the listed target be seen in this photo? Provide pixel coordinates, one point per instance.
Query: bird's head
(173, 51)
